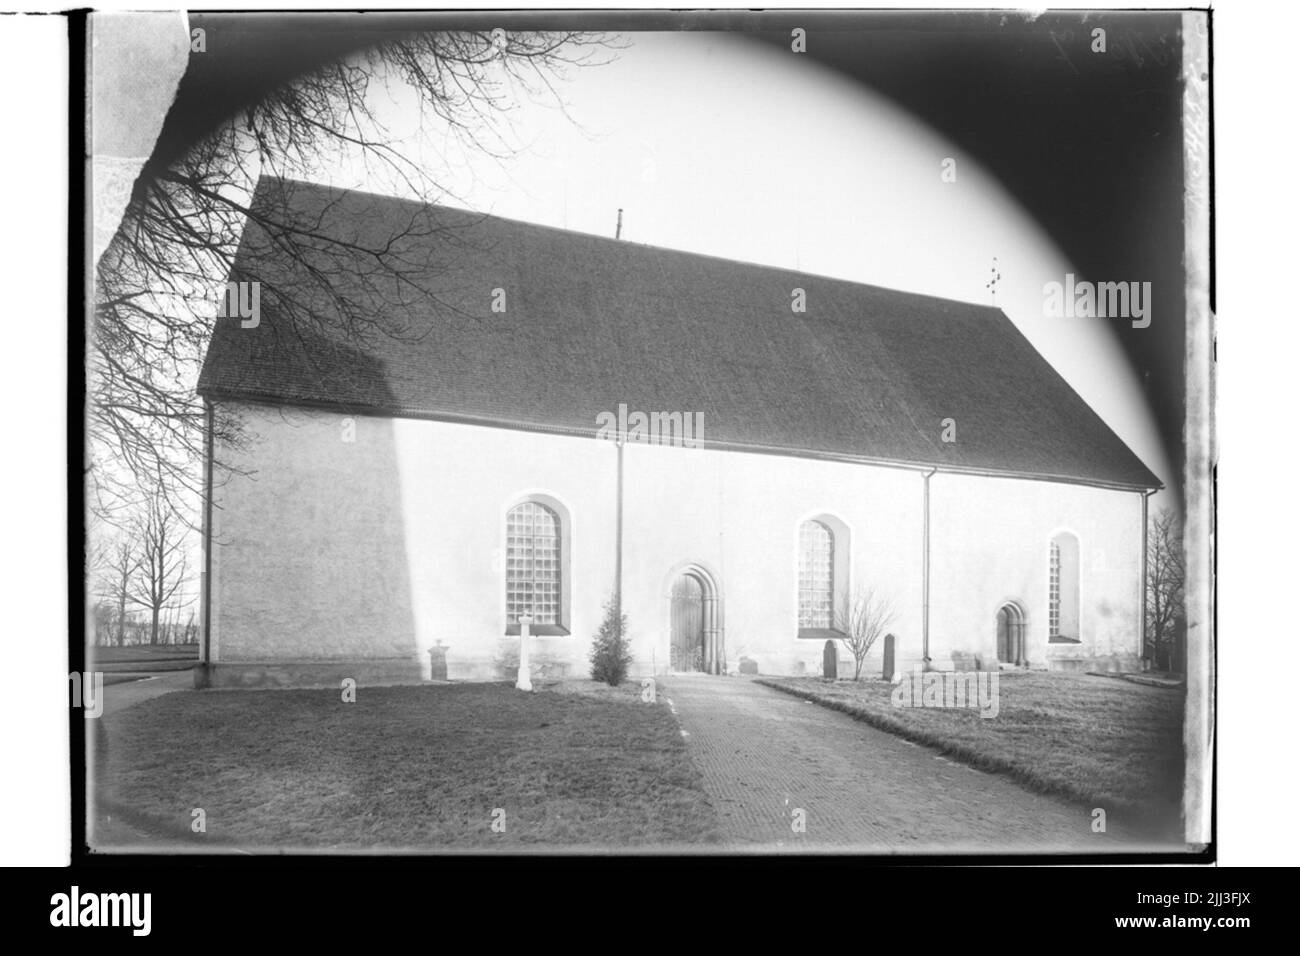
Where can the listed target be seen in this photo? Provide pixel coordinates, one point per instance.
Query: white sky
(714, 144)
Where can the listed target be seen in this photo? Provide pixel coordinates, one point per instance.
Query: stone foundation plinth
(286, 674)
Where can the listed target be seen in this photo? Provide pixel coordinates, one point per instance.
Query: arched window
(816, 576)
(1054, 592)
(1063, 590)
(533, 567)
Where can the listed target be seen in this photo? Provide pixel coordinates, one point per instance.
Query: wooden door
(1011, 635)
(687, 651)
(1005, 653)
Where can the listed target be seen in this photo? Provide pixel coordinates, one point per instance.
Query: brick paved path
(764, 754)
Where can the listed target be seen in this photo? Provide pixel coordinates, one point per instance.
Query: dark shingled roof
(866, 373)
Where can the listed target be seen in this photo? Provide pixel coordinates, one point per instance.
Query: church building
(526, 422)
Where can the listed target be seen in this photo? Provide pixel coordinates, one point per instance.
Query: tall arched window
(816, 575)
(533, 565)
(1054, 592)
(1063, 590)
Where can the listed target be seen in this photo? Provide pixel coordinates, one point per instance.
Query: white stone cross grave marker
(525, 625)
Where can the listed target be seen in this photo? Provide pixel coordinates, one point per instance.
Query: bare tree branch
(156, 283)
(1166, 576)
(861, 621)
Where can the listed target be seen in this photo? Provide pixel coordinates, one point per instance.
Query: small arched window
(533, 565)
(1063, 590)
(816, 576)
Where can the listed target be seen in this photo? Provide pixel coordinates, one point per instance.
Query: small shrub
(610, 655)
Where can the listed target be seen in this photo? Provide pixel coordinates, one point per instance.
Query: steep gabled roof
(592, 322)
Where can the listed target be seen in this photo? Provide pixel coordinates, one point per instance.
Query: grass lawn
(1103, 742)
(418, 768)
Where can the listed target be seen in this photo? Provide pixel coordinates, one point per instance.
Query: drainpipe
(719, 634)
(618, 527)
(925, 574)
(618, 537)
(206, 597)
(1142, 583)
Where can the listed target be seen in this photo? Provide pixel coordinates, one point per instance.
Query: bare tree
(103, 623)
(156, 284)
(1164, 587)
(861, 620)
(160, 571)
(117, 569)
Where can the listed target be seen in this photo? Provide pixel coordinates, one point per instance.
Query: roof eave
(216, 393)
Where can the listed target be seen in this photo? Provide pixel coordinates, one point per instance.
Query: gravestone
(830, 661)
(887, 672)
(438, 662)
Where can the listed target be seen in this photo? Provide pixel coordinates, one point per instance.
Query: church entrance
(1011, 635)
(688, 624)
(694, 642)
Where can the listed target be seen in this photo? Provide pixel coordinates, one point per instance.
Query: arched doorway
(695, 642)
(1011, 634)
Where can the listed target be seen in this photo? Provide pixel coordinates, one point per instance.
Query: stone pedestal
(438, 662)
(524, 681)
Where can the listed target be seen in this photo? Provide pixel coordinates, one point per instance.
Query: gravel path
(127, 693)
(107, 831)
(765, 755)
